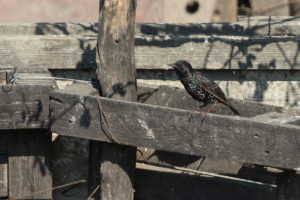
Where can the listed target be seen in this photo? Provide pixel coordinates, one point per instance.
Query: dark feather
(199, 86)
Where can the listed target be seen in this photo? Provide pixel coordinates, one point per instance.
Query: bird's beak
(172, 65)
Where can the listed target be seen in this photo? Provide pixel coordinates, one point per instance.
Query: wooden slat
(160, 183)
(229, 167)
(25, 106)
(29, 169)
(154, 52)
(3, 176)
(179, 98)
(75, 113)
(3, 164)
(250, 26)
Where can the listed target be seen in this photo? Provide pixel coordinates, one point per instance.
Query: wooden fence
(32, 107)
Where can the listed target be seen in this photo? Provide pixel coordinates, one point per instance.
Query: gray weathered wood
(3, 176)
(250, 26)
(75, 113)
(242, 50)
(153, 183)
(3, 164)
(117, 78)
(179, 98)
(29, 164)
(25, 106)
(219, 166)
(153, 52)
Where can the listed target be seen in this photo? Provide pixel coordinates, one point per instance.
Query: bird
(200, 87)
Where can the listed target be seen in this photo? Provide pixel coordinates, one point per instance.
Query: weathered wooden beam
(29, 170)
(75, 113)
(246, 26)
(3, 165)
(112, 166)
(205, 45)
(179, 98)
(25, 106)
(3, 176)
(163, 183)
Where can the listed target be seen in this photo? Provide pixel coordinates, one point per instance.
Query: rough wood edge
(235, 130)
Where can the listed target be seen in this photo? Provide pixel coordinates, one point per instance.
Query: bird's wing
(212, 88)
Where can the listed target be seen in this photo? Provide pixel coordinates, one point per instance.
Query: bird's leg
(198, 108)
(213, 106)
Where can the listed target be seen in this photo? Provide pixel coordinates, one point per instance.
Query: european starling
(200, 87)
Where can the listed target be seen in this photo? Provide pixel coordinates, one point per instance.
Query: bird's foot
(204, 114)
(195, 109)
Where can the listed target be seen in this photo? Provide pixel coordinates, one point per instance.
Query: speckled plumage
(191, 85)
(200, 87)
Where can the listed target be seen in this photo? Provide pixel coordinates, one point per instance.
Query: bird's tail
(234, 110)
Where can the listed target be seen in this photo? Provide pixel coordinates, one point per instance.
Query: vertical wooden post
(111, 165)
(29, 169)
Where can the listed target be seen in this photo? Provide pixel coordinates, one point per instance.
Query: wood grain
(162, 183)
(3, 176)
(117, 79)
(246, 26)
(29, 168)
(221, 137)
(252, 45)
(25, 106)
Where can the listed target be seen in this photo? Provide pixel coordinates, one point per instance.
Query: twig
(265, 10)
(105, 119)
(95, 190)
(182, 169)
(101, 110)
(53, 188)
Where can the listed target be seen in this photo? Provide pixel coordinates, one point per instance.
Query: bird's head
(182, 67)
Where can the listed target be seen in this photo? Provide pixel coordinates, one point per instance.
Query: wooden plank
(218, 166)
(160, 183)
(154, 52)
(178, 98)
(116, 74)
(3, 176)
(29, 164)
(75, 113)
(3, 164)
(25, 106)
(246, 26)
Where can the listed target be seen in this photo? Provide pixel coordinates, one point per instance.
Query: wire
(49, 78)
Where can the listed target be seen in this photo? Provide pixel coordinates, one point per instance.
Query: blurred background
(156, 11)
